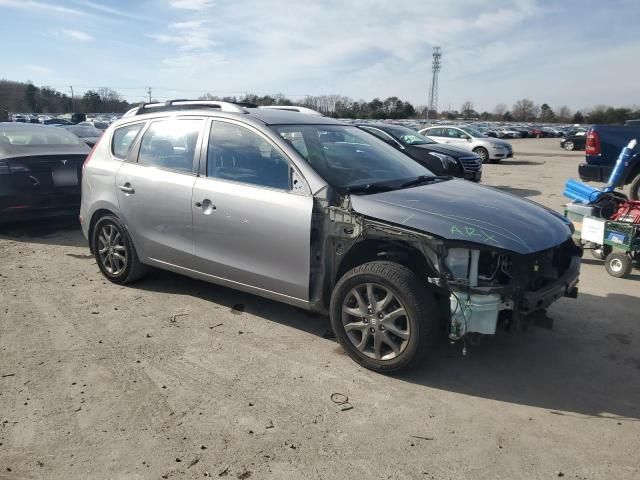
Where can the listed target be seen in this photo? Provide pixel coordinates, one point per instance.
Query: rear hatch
(40, 182)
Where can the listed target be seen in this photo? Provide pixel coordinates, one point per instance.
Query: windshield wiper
(424, 179)
(369, 188)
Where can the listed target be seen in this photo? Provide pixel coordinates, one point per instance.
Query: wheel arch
(95, 216)
(377, 249)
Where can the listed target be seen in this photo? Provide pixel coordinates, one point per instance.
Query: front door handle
(206, 205)
(127, 188)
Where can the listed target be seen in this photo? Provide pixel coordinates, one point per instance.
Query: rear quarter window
(122, 139)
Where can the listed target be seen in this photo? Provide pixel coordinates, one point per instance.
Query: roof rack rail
(183, 103)
(294, 108)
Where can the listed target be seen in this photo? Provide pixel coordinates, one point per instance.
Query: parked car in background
(57, 121)
(507, 132)
(440, 159)
(574, 142)
(489, 132)
(319, 214)
(604, 143)
(551, 132)
(40, 170)
(488, 149)
(88, 134)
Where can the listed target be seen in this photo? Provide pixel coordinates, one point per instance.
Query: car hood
(463, 211)
(497, 141)
(455, 152)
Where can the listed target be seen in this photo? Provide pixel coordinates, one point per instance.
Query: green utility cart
(615, 242)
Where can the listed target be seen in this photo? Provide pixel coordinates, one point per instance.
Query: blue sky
(576, 53)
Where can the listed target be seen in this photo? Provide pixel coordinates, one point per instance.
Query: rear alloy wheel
(618, 265)
(568, 145)
(381, 315)
(114, 251)
(483, 153)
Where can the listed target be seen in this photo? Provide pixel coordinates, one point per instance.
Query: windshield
(473, 132)
(407, 136)
(84, 132)
(38, 136)
(346, 156)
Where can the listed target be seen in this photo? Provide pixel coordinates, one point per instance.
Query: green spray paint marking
(472, 232)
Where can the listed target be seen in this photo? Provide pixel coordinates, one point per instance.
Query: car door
(252, 214)
(155, 188)
(454, 136)
(436, 134)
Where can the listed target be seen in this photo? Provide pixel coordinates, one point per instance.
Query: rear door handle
(127, 188)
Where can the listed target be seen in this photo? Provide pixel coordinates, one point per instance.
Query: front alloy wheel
(375, 321)
(384, 316)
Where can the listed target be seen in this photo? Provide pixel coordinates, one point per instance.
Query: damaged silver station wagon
(309, 211)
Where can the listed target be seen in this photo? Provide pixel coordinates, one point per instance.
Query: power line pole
(73, 107)
(433, 90)
(149, 92)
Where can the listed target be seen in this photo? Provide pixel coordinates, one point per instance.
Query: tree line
(27, 98)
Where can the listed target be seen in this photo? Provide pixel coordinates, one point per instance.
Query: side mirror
(467, 138)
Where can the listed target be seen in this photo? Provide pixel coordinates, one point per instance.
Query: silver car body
(235, 237)
(292, 244)
(464, 138)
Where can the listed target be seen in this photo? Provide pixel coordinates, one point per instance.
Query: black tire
(601, 252)
(483, 153)
(421, 320)
(634, 189)
(132, 269)
(618, 265)
(569, 145)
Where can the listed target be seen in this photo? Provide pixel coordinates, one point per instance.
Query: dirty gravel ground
(99, 381)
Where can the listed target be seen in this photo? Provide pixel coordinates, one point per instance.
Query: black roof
(286, 117)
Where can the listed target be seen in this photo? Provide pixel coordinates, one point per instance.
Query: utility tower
(433, 90)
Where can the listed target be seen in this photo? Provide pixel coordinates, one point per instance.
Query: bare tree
(500, 110)
(467, 109)
(525, 110)
(110, 99)
(564, 113)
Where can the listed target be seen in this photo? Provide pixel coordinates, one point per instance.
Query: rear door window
(123, 137)
(171, 144)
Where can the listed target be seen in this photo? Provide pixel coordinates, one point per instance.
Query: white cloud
(109, 10)
(35, 6)
(192, 4)
(187, 36)
(38, 69)
(76, 35)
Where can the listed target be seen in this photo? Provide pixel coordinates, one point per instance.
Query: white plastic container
(475, 313)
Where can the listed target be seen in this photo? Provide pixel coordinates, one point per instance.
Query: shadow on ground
(520, 162)
(586, 367)
(63, 231)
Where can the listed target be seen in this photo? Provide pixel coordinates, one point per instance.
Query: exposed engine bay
(480, 286)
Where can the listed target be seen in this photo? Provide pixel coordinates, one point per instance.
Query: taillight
(593, 143)
(86, 160)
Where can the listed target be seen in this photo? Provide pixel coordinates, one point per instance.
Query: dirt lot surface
(175, 378)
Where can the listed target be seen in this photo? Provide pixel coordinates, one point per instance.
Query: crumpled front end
(487, 287)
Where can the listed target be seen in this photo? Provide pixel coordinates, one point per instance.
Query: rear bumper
(594, 173)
